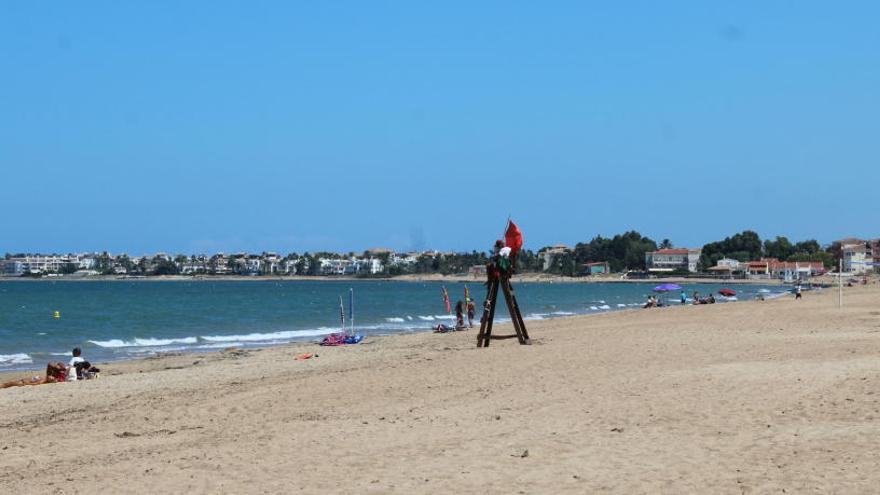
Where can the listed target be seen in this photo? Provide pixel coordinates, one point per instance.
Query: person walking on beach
(471, 313)
(459, 315)
(797, 292)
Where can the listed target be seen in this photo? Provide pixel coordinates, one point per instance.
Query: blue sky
(294, 126)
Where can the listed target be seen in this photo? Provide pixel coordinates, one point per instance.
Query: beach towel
(303, 357)
(334, 339)
(353, 339)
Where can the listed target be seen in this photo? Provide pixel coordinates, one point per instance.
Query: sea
(116, 320)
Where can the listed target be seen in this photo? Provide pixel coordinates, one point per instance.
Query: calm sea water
(120, 320)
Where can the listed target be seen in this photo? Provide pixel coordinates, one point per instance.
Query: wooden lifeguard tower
(501, 280)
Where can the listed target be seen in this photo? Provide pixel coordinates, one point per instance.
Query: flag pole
(351, 308)
(840, 284)
(342, 314)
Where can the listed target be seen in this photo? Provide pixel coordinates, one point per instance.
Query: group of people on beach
(77, 369)
(655, 302)
(710, 299)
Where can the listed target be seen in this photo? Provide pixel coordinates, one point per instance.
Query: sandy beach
(753, 397)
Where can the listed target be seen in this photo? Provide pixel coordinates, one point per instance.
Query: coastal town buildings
(728, 267)
(858, 255)
(772, 268)
(596, 268)
(669, 260)
(17, 266)
(550, 254)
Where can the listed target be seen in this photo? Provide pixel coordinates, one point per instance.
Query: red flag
(513, 238)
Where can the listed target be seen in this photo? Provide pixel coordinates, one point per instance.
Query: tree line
(623, 252)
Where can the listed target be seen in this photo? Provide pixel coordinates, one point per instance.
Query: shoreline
(315, 340)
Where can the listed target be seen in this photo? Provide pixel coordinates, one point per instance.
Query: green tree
(103, 264)
(68, 268)
(745, 246)
(780, 249)
(165, 267)
(622, 252)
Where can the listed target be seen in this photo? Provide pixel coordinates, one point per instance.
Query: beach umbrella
(666, 288)
(727, 292)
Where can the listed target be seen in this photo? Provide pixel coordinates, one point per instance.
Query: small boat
(727, 292)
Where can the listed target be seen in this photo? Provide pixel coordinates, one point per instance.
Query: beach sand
(753, 397)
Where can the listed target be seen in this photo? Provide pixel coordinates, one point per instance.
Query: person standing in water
(684, 297)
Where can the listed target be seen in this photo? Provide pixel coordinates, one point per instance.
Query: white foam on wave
(394, 320)
(408, 317)
(148, 342)
(13, 359)
(621, 305)
(562, 313)
(604, 306)
(445, 317)
(594, 308)
(220, 345)
(426, 318)
(264, 337)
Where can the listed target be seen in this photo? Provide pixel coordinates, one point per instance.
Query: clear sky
(293, 126)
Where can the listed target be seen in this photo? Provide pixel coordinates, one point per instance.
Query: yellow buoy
(57, 314)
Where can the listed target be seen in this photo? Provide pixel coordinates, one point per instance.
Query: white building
(369, 265)
(37, 264)
(403, 259)
(856, 257)
(668, 260)
(333, 266)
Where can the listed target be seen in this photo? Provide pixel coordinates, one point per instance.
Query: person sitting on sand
(77, 359)
(651, 302)
(79, 368)
(441, 328)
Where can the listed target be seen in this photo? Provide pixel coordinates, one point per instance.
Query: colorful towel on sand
(341, 339)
